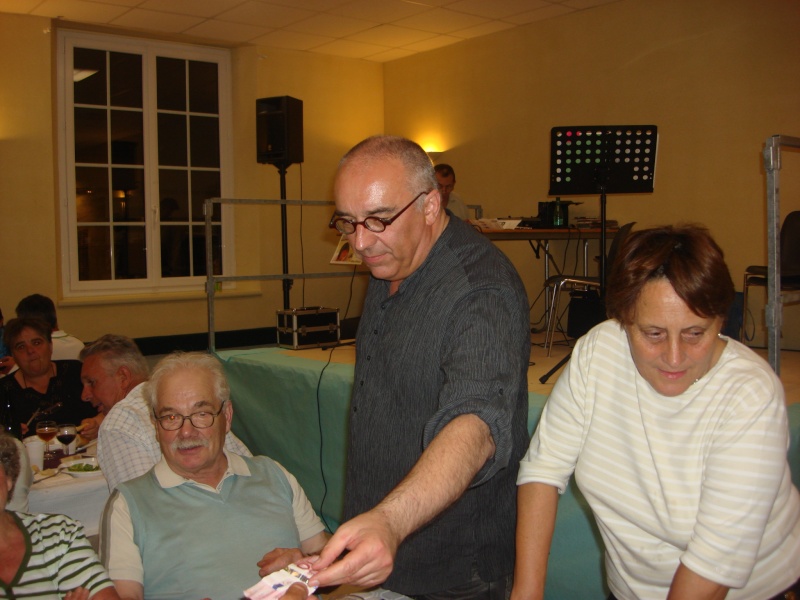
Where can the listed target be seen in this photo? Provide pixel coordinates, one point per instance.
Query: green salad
(82, 468)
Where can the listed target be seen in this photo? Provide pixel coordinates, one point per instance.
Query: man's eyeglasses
(199, 420)
(374, 224)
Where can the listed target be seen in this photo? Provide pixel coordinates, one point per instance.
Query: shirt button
(375, 332)
(368, 357)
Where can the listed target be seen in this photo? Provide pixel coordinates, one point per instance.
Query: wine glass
(66, 434)
(47, 430)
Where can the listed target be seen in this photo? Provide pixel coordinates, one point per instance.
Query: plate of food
(83, 466)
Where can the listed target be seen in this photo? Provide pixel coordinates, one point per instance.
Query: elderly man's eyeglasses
(199, 420)
(374, 224)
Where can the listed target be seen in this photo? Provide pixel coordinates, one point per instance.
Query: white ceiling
(376, 30)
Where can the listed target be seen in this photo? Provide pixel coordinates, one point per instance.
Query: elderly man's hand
(372, 546)
(77, 594)
(277, 559)
(90, 427)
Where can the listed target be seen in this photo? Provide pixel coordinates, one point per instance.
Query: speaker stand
(287, 282)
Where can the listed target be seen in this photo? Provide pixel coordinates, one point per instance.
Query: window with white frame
(143, 145)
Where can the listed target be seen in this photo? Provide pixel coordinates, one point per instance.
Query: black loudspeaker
(279, 130)
(586, 310)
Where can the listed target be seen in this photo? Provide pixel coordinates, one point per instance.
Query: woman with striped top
(44, 556)
(676, 434)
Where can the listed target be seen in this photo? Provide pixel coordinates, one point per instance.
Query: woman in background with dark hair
(42, 389)
(677, 437)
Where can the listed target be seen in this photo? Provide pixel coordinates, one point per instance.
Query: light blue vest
(198, 544)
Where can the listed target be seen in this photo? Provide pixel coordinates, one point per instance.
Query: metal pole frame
(212, 280)
(773, 311)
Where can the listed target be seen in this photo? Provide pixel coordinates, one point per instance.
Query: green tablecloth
(293, 408)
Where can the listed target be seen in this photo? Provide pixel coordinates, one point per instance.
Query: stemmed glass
(66, 434)
(47, 430)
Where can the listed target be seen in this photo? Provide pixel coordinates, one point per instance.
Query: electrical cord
(319, 410)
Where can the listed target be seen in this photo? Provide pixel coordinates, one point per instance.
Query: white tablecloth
(80, 498)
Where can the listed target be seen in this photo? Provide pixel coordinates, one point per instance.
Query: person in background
(44, 556)
(197, 524)
(42, 389)
(6, 362)
(677, 437)
(114, 372)
(65, 346)
(446, 181)
(440, 401)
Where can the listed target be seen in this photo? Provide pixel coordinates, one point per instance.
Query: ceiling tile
(549, 12)
(331, 25)
(496, 9)
(392, 54)
(315, 5)
(349, 49)
(390, 35)
(20, 6)
(440, 20)
(436, 42)
(78, 10)
(291, 40)
(150, 20)
(483, 29)
(385, 11)
(229, 32)
(266, 15)
(197, 8)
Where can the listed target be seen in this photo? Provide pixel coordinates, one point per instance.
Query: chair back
(616, 243)
(790, 245)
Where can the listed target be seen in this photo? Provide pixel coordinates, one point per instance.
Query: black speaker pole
(602, 242)
(543, 379)
(287, 283)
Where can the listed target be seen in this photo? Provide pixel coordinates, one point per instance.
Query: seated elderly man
(113, 374)
(198, 524)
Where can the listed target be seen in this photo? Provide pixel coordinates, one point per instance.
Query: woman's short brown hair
(15, 326)
(686, 256)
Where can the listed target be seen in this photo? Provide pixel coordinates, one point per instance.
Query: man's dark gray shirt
(454, 339)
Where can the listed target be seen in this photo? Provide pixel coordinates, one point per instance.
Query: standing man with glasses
(199, 523)
(440, 398)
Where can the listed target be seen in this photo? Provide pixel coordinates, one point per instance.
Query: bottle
(558, 214)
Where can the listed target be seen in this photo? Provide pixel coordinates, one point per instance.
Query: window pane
(203, 87)
(172, 140)
(126, 79)
(175, 251)
(128, 186)
(205, 141)
(91, 194)
(127, 138)
(94, 253)
(171, 80)
(174, 199)
(130, 258)
(205, 184)
(199, 249)
(89, 76)
(91, 136)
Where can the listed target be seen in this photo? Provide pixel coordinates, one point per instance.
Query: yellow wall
(343, 102)
(716, 76)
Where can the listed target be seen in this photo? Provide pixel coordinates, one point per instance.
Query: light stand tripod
(616, 159)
